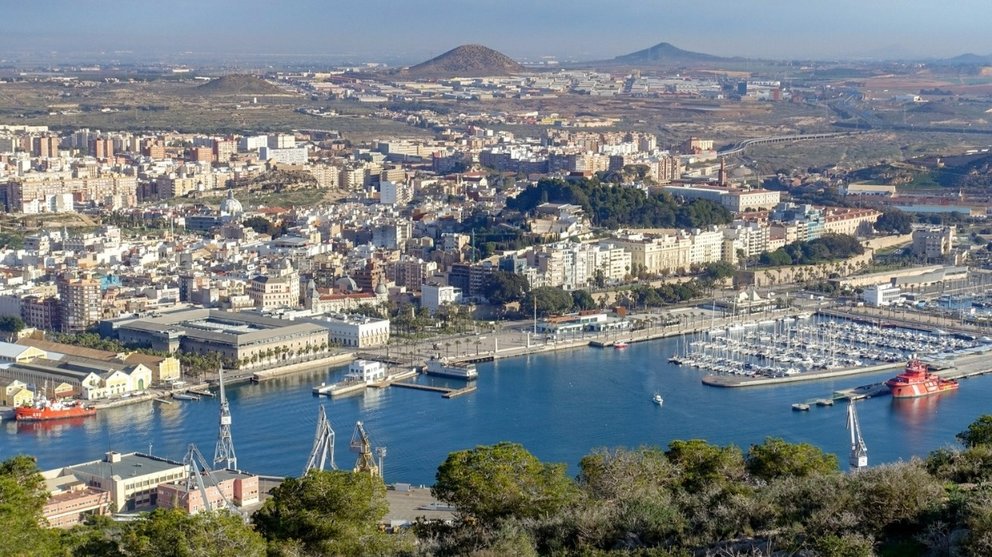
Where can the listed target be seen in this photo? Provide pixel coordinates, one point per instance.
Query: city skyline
(414, 31)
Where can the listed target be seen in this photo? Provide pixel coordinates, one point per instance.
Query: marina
(794, 349)
(274, 420)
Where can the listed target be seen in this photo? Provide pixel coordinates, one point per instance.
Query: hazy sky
(570, 29)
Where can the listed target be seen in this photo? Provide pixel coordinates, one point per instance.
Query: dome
(381, 290)
(231, 206)
(346, 284)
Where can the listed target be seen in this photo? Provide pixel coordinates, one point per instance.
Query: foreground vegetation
(693, 498)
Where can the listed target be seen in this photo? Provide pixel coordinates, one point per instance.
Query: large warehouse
(247, 338)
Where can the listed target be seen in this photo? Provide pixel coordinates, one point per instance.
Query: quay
(733, 381)
(265, 375)
(972, 365)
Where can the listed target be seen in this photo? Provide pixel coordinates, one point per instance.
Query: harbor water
(560, 406)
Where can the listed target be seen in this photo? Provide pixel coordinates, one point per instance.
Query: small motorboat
(620, 344)
(657, 399)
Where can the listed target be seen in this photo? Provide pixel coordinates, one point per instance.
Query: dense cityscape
(656, 303)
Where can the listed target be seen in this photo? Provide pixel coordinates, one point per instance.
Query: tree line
(690, 498)
(829, 247)
(503, 288)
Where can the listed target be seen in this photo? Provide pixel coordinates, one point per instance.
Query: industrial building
(131, 479)
(245, 338)
(225, 486)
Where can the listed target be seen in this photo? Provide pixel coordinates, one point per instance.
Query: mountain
(968, 59)
(470, 60)
(239, 84)
(666, 54)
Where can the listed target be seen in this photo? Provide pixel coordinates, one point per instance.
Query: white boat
(620, 344)
(657, 399)
(444, 368)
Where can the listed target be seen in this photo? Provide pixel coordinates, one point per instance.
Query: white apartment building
(281, 141)
(669, 253)
(295, 155)
(433, 296)
(707, 247)
(357, 331)
(572, 266)
(253, 142)
(395, 193)
(748, 239)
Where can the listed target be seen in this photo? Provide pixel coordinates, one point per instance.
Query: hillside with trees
(612, 206)
(828, 247)
(689, 498)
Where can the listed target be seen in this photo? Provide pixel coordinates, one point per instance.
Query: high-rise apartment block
(79, 302)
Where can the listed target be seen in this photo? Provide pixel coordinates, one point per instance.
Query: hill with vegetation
(470, 60)
(239, 84)
(613, 206)
(690, 498)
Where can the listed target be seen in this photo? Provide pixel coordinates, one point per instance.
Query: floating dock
(459, 392)
(446, 392)
(202, 393)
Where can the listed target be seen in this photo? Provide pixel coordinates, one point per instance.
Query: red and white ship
(917, 381)
(44, 410)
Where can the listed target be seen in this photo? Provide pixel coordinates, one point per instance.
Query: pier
(446, 392)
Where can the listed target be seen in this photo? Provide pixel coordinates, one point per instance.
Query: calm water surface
(560, 406)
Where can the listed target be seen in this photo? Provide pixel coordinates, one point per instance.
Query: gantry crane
(323, 445)
(224, 450)
(196, 468)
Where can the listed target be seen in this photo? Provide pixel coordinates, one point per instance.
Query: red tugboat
(44, 410)
(917, 381)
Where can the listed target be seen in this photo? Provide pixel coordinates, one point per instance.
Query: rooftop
(129, 465)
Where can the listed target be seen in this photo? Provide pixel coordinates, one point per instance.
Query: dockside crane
(196, 468)
(323, 444)
(859, 450)
(224, 451)
(360, 444)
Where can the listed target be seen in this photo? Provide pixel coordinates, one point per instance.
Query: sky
(414, 30)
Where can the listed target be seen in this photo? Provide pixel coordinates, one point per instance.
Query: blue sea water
(560, 406)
